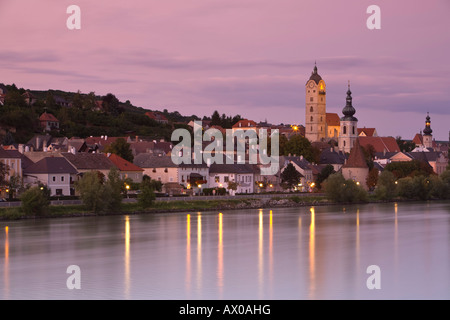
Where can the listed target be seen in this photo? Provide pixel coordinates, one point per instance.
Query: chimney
(38, 143)
(21, 148)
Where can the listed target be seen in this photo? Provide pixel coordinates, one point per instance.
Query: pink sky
(247, 57)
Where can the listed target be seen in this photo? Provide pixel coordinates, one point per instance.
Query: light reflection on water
(283, 253)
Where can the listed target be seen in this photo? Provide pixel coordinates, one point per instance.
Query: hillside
(79, 114)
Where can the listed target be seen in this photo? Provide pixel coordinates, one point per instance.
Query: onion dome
(315, 76)
(348, 110)
(427, 131)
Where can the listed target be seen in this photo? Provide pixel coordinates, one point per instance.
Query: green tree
(385, 189)
(338, 189)
(77, 101)
(114, 187)
(121, 148)
(324, 174)
(405, 146)
(299, 145)
(215, 118)
(290, 177)
(35, 201)
(372, 178)
(92, 191)
(147, 195)
(111, 104)
(409, 168)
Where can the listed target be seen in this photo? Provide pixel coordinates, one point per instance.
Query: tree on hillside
(121, 148)
(111, 104)
(215, 118)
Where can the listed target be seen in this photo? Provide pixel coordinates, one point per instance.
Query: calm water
(289, 253)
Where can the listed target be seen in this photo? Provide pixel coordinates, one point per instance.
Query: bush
(413, 188)
(147, 195)
(385, 189)
(35, 201)
(92, 191)
(338, 189)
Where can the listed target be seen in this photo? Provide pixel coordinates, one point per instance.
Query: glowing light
(312, 185)
(357, 183)
(261, 185)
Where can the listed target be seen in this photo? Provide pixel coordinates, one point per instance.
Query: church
(323, 126)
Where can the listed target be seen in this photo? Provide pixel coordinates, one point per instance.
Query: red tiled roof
(356, 158)
(333, 119)
(244, 123)
(367, 131)
(48, 117)
(156, 116)
(418, 139)
(380, 144)
(122, 164)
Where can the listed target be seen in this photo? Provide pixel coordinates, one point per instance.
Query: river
(321, 252)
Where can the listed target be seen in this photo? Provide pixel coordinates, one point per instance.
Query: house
(356, 167)
(30, 99)
(55, 172)
(193, 176)
(157, 116)
(333, 125)
(436, 160)
(333, 157)
(2, 94)
(380, 144)
(243, 174)
(304, 167)
(48, 122)
(76, 145)
(384, 158)
(85, 162)
(367, 132)
(157, 167)
(245, 124)
(126, 168)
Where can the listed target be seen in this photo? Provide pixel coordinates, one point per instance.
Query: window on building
(216, 179)
(62, 179)
(344, 143)
(311, 99)
(59, 192)
(226, 179)
(311, 118)
(54, 178)
(345, 129)
(311, 109)
(353, 129)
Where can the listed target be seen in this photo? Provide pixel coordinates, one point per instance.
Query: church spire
(349, 110)
(427, 131)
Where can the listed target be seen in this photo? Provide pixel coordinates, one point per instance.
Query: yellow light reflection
(6, 263)
(271, 246)
(220, 255)
(127, 255)
(260, 252)
(312, 266)
(357, 239)
(199, 250)
(188, 252)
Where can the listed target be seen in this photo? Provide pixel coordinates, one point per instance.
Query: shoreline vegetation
(60, 211)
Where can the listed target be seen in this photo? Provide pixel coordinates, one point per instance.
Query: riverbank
(57, 211)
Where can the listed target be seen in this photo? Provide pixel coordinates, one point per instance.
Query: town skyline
(251, 59)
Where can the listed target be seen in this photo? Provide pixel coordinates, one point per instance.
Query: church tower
(427, 136)
(349, 125)
(315, 115)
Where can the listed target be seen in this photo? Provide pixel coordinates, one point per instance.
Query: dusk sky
(247, 57)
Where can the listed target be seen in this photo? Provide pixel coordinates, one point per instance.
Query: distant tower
(349, 125)
(315, 105)
(427, 136)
